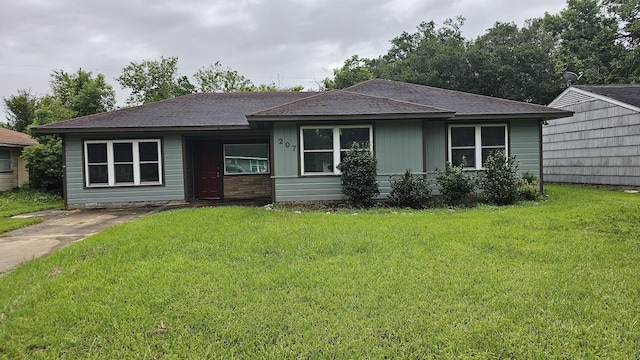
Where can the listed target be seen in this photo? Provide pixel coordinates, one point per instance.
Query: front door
(207, 157)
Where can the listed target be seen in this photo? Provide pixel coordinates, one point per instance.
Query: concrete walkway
(59, 229)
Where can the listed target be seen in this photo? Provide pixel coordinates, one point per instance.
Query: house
(284, 146)
(600, 143)
(13, 171)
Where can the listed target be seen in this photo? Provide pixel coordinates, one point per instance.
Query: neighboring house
(284, 146)
(600, 143)
(13, 171)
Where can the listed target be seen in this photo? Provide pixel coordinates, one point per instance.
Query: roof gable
(15, 139)
(629, 94)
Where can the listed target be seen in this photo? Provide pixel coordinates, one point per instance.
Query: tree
(588, 42)
(216, 78)
(72, 95)
(514, 63)
(353, 71)
(430, 56)
(627, 14)
(81, 93)
(151, 81)
(21, 109)
(44, 162)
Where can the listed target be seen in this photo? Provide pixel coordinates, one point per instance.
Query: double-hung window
(123, 162)
(323, 147)
(471, 145)
(5, 161)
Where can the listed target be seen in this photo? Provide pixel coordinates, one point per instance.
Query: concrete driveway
(59, 229)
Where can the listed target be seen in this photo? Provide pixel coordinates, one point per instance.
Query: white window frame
(8, 161)
(111, 163)
(478, 142)
(336, 146)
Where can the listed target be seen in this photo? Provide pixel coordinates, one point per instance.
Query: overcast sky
(289, 42)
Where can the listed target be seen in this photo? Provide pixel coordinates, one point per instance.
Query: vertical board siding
(285, 149)
(398, 146)
(525, 145)
(435, 146)
(172, 190)
(599, 144)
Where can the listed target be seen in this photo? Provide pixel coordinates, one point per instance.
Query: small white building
(600, 143)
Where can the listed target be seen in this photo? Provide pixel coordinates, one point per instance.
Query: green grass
(556, 279)
(20, 201)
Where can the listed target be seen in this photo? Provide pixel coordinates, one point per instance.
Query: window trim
(478, 142)
(9, 161)
(336, 146)
(111, 182)
(224, 157)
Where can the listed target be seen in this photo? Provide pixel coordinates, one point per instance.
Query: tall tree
(353, 71)
(515, 63)
(21, 110)
(81, 93)
(151, 81)
(588, 42)
(217, 78)
(430, 56)
(627, 13)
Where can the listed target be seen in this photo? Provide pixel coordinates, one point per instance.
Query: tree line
(596, 38)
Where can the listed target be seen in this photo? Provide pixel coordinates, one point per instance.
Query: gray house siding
(78, 195)
(397, 146)
(525, 145)
(600, 144)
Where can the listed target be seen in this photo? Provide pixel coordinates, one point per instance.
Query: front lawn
(20, 201)
(556, 279)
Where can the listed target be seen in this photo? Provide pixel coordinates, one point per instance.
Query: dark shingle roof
(204, 110)
(15, 139)
(371, 99)
(629, 94)
(348, 104)
(462, 103)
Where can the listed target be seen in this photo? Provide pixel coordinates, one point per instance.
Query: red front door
(208, 170)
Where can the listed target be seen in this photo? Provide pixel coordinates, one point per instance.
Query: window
(246, 159)
(474, 144)
(122, 162)
(322, 148)
(5, 160)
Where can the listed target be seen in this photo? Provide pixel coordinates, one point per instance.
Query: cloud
(289, 42)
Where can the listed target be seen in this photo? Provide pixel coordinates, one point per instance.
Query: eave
(138, 129)
(350, 117)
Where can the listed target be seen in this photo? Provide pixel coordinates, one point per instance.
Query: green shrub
(528, 189)
(456, 184)
(409, 190)
(44, 162)
(500, 179)
(358, 177)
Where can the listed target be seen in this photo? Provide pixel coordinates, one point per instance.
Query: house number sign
(287, 144)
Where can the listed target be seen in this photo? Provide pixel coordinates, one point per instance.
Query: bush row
(499, 183)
